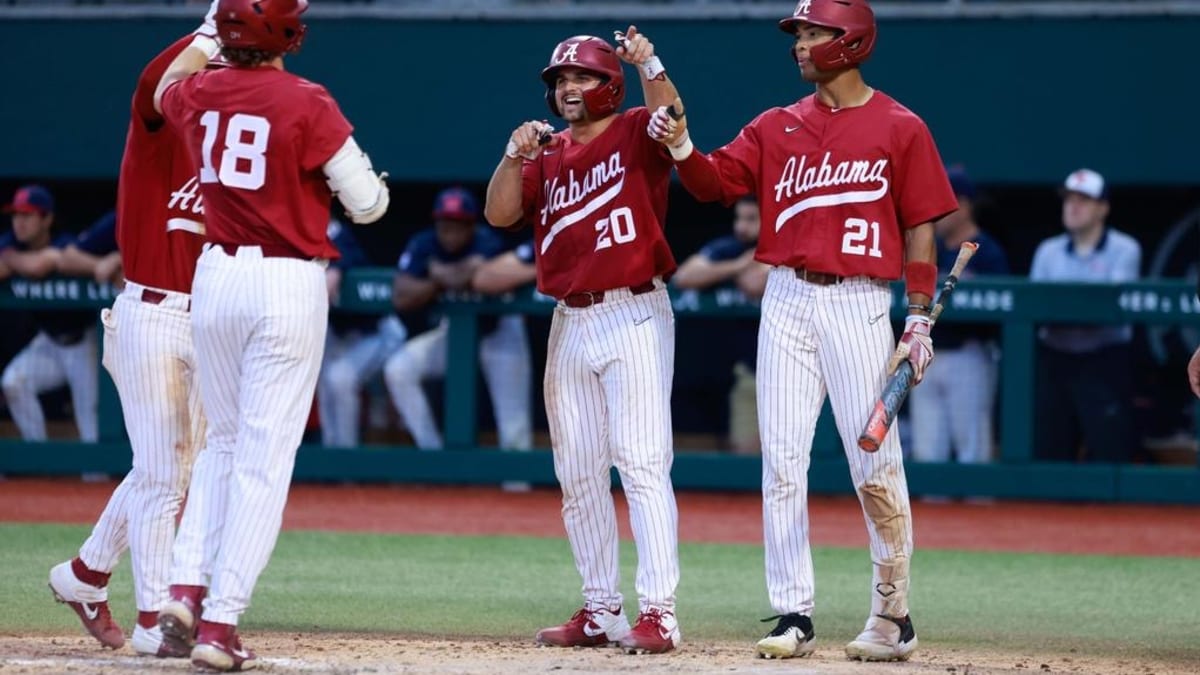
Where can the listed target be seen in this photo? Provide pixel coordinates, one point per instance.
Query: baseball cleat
(656, 632)
(89, 602)
(218, 647)
(177, 618)
(150, 642)
(587, 628)
(792, 637)
(884, 639)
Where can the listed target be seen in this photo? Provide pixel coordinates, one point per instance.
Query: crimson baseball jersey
(261, 137)
(598, 209)
(836, 187)
(160, 216)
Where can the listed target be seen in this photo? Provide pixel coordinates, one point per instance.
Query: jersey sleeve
(143, 93)
(328, 129)
(922, 190)
(173, 102)
(728, 172)
(414, 261)
(101, 237)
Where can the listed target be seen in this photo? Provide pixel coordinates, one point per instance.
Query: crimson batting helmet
(594, 55)
(853, 18)
(266, 25)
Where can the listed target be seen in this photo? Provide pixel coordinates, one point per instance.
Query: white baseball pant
(609, 369)
(259, 326)
(504, 359)
(44, 365)
(350, 362)
(813, 340)
(953, 406)
(148, 351)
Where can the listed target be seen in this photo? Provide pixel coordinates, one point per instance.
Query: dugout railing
(1016, 304)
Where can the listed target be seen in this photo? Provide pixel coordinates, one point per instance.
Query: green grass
(510, 586)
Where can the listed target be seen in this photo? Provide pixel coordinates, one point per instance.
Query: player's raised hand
(527, 139)
(633, 47)
(668, 124)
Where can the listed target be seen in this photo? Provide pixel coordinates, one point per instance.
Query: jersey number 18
(244, 160)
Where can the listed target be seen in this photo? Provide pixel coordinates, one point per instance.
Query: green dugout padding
(1015, 303)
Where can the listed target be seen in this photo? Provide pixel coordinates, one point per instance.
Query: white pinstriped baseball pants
(813, 340)
(148, 351)
(608, 378)
(259, 326)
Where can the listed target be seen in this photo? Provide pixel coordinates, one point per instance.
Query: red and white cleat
(587, 628)
(656, 632)
(218, 647)
(89, 602)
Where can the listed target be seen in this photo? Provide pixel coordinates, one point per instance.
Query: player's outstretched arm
(635, 49)
(410, 293)
(190, 61)
(350, 176)
(505, 201)
(699, 271)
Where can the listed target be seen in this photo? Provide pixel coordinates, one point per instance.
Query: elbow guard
(353, 181)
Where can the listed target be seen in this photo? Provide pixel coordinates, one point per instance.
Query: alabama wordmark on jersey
(609, 175)
(797, 179)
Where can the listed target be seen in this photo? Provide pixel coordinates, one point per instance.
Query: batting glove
(916, 345)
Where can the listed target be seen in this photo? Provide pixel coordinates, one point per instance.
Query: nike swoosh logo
(89, 611)
(874, 319)
(638, 322)
(547, 153)
(241, 653)
(788, 130)
(592, 630)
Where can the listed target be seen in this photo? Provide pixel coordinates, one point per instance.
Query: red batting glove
(916, 345)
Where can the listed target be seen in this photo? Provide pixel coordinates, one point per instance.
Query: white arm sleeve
(353, 181)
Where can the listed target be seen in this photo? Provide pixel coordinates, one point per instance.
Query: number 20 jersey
(837, 187)
(260, 137)
(598, 209)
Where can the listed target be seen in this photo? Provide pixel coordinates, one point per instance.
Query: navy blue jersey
(725, 248)
(424, 248)
(65, 327)
(352, 255)
(101, 238)
(988, 260)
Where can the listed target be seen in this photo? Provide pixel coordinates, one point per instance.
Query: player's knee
(14, 383)
(341, 378)
(399, 370)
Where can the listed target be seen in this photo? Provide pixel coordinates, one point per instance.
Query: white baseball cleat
(149, 642)
(884, 639)
(792, 637)
(89, 602)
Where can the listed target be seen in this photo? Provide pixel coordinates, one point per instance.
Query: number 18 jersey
(598, 209)
(261, 137)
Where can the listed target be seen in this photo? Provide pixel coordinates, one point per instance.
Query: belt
(818, 278)
(589, 298)
(156, 297)
(268, 250)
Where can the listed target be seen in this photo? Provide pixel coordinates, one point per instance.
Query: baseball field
(457, 580)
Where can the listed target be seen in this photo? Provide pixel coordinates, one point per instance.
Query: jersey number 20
(244, 160)
(621, 223)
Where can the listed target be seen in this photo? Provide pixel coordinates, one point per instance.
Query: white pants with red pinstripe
(148, 351)
(259, 325)
(815, 340)
(608, 400)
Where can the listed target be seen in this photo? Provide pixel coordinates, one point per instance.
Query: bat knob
(545, 137)
(673, 113)
(867, 444)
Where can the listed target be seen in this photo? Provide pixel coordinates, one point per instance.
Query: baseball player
(64, 349)
(356, 347)
(850, 183)
(444, 258)
(272, 149)
(81, 258)
(148, 351)
(596, 195)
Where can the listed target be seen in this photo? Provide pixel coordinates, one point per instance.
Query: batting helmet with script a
(594, 55)
(266, 25)
(853, 18)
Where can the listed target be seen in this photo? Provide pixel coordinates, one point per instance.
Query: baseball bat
(901, 382)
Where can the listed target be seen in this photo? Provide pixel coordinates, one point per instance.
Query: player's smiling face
(808, 36)
(568, 92)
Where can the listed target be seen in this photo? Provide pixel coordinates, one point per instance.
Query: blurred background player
(1084, 387)
(356, 347)
(729, 260)
(506, 272)
(64, 349)
(148, 351)
(952, 409)
(850, 183)
(82, 257)
(442, 259)
(272, 149)
(600, 251)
